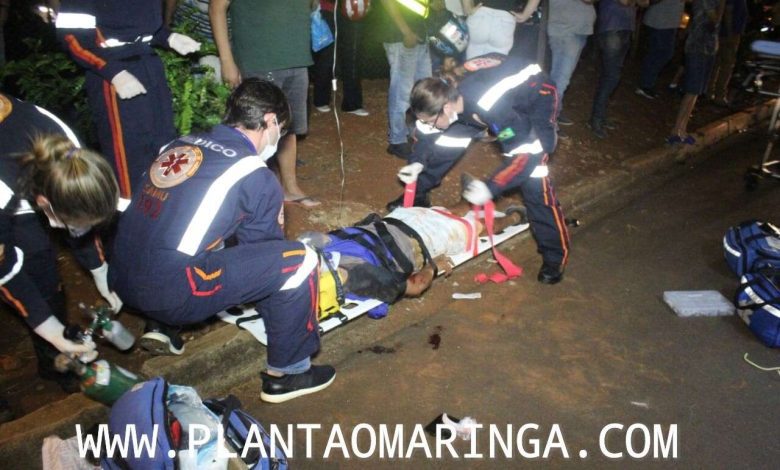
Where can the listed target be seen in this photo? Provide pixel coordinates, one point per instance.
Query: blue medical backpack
(752, 246)
(144, 406)
(758, 304)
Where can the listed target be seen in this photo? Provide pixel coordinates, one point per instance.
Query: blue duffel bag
(156, 408)
(752, 246)
(758, 304)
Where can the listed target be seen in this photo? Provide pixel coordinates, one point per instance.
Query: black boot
(420, 200)
(550, 273)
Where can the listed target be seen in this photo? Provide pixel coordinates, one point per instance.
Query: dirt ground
(368, 183)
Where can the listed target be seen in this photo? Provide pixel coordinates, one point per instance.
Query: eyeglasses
(432, 123)
(282, 130)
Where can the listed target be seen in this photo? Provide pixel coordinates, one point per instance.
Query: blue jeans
(407, 65)
(614, 47)
(660, 50)
(297, 368)
(566, 52)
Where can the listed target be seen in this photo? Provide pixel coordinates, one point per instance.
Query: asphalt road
(599, 348)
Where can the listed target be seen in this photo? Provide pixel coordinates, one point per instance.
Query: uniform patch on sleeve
(175, 166)
(506, 134)
(5, 107)
(483, 62)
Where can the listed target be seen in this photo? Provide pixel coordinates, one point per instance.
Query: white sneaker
(359, 112)
(323, 109)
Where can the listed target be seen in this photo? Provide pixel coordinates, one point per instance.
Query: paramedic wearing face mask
(171, 260)
(516, 102)
(46, 179)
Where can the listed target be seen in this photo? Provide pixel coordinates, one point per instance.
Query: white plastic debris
(464, 428)
(466, 296)
(702, 303)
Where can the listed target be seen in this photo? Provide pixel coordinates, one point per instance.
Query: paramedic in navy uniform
(125, 80)
(42, 167)
(204, 232)
(517, 103)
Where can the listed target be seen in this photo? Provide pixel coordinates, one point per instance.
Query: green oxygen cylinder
(100, 380)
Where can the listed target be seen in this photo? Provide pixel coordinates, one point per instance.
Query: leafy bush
(49, 78)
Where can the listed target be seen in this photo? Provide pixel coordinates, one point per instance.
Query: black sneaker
(161, 340)
(646, 93)
(420, 200)
(609, 125)
(287, 387)
(550, 274)
(564, 121)
(403, 151)
(597, 129)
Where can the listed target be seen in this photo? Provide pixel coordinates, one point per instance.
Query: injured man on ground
(400, 254)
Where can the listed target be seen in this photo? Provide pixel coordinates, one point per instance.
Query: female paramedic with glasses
(516, 102)
(43, 167)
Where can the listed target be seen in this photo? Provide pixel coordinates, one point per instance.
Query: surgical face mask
(453, 118)
(269, 149)
(56, 222)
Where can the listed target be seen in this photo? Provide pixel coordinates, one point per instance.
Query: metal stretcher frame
(766, 65)
(354, 308)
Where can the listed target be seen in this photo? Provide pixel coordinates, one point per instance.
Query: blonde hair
(79, 184)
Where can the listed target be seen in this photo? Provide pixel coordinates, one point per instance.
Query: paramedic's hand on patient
(183, 44)
(127, 86)
(409, 173)
(100, 275)
(52, 331)
(477, 193)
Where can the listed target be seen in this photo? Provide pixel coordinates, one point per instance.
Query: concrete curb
(238, 356)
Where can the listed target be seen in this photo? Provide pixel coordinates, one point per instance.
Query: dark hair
(251, 100)
(79, 183)
(429, 95)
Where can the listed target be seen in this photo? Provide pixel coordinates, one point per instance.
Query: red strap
(471, 234)
(409, 191)
(511, 270)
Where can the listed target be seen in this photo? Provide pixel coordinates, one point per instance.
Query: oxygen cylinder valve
(108, 328)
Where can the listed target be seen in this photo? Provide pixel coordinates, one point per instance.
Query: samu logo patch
(175, 166)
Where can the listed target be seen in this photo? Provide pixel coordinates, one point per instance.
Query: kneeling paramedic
(515, 101)
(42, 166)
(204, 232)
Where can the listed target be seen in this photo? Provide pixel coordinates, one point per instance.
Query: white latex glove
(183, 44)
(100, 275)
(477, 193)
(126, 85)
(409, 173)
(51, 330)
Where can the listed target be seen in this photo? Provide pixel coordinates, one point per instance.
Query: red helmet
(355, 10)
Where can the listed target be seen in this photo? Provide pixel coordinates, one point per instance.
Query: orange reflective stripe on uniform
(208, 276)
(83, 54)
(14, 301)
(302, 270)
(120, 159)
(194, 287)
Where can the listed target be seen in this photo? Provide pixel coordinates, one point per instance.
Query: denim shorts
(295, 85)
(697, 72)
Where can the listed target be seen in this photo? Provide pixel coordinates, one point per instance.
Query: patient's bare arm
(419, 282)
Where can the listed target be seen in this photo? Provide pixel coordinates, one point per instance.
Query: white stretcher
(248, 318)
(765, 66)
